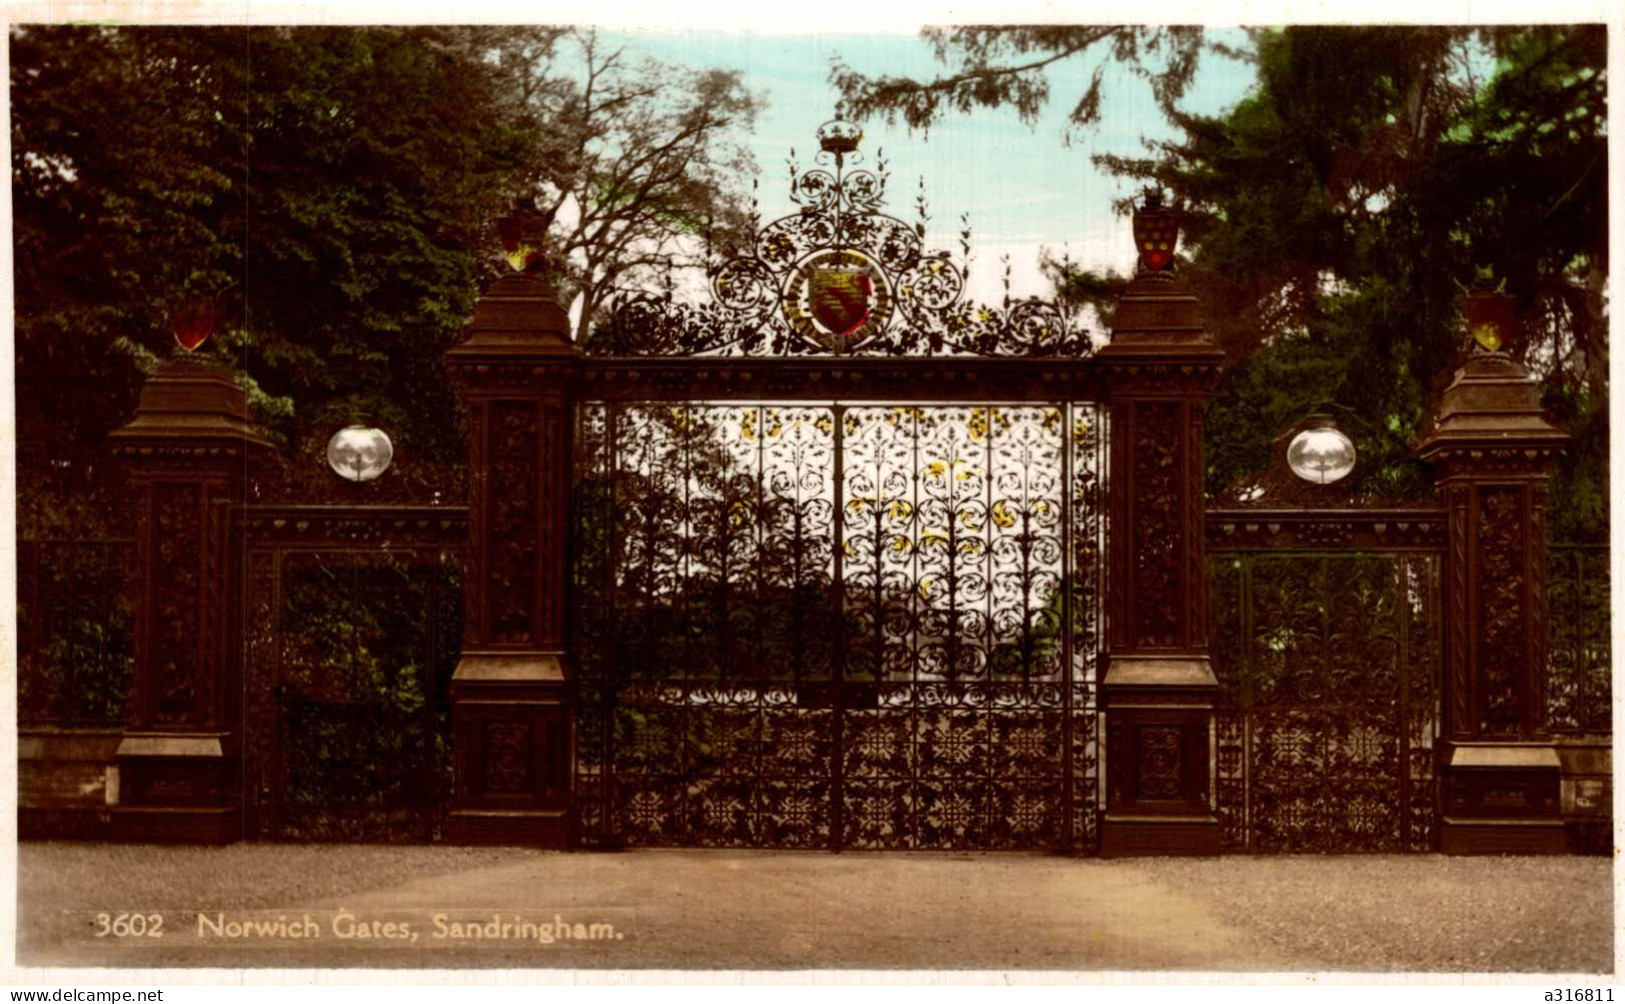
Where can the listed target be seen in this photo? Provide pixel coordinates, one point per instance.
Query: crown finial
(838, 136)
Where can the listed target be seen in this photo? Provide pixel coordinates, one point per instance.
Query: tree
(1333, 217)
(331, 189)
(639, 162)
(118, 214)
(325, 185)
(1007, 67)
(377, 158)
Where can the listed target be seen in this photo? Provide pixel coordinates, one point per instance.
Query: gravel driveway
(1414, 912)
(783, 910)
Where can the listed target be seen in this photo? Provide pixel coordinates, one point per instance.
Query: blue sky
(1023, 187)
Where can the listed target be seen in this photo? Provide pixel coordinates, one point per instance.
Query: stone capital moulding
(1490, 407)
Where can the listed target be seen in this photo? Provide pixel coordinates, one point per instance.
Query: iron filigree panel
(837, 626)
(840, 276)
(1578, 673)
(1328, 668)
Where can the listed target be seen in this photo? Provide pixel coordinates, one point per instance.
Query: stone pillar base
(1502, 798)
(511, 733)
(212, 826)
(1170, 836)
(1159, 750)
(495, 827)
(178, 788)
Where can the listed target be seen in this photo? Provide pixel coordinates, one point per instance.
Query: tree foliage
(332, 190)
(376, 158)
(117, 215)
(1334, 216)
(1007, 67)
(639, 160)
(323, 185)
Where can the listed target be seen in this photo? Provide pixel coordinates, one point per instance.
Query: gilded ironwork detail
(837, 626)
(840, 276)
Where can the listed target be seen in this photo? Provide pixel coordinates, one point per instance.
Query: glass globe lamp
(359, 453)
(1321, 454)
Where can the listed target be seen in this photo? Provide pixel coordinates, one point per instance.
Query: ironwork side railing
(1579, 694)
(352, 631)
(74, 654)
(1327, 636)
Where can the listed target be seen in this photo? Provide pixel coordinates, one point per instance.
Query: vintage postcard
(1067, 498)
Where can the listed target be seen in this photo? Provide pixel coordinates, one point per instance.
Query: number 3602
(129, 925)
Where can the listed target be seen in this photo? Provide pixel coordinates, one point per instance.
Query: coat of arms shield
(840, 298)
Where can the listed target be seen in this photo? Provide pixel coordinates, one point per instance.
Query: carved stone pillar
(511, 724)
(1158, 690)
(179, 760)
(1492, 452)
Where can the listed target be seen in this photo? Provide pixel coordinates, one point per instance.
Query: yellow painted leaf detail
(1001, 515)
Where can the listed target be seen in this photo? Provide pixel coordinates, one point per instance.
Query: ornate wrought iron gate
(833, 546)
(1327, 646)
(838, 625)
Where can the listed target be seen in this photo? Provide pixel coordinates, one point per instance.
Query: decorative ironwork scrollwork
(839, 276)
(1578, 670)
(849, 626)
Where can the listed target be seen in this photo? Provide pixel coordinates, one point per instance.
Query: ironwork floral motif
(838, 625)
(1459, 718)
(1159, 759)
(1159, 446)
(507, 756)
(1501, 589)
(840, 276)
(176, 585)
(513, 507)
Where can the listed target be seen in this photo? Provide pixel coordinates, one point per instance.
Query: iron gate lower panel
(924, 768)
(839, 625)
